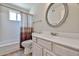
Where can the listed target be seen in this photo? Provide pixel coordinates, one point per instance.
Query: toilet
(27, 46)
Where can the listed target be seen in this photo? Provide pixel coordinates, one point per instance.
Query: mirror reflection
(56, 13)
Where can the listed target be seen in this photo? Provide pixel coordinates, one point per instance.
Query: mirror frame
(64, 17)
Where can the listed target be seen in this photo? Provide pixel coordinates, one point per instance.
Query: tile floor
(16, 53)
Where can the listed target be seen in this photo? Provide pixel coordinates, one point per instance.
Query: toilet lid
(27, 43)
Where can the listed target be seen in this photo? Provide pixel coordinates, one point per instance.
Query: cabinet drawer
(44, 43)
(34, 39)
(48, 53)
(64, 51)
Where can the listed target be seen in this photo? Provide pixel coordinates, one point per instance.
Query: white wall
(9, 30)
(71, 24)
(0, 24)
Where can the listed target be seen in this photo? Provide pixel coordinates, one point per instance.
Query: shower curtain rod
(16, 9)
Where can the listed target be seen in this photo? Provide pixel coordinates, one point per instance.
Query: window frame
(16, 12)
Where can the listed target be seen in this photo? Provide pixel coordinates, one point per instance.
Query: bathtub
(8, 47)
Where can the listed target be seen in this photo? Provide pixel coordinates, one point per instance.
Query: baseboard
(9, 48)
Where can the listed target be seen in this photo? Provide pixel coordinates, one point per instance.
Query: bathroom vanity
(48, 45)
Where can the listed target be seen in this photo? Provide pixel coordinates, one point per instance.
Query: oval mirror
(56, 14)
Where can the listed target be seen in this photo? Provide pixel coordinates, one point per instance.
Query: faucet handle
(54, 34)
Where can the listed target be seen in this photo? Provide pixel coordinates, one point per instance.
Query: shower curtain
(26, 28)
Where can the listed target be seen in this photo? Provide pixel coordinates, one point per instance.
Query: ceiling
(27, 6)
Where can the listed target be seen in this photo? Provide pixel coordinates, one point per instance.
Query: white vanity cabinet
(48, 53)
(44, 43)
(36, 49)
(34, 39)
(64, 51)
(51, 46)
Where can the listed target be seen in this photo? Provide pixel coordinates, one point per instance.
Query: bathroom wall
(0, 24)
(9, 30)
(71, 24)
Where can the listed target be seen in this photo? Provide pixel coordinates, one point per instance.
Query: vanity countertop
(69, 42)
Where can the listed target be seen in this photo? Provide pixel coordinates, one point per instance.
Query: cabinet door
(36, 50)
(46, 44)
(64, 51)
(48, 53)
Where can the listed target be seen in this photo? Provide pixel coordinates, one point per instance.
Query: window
(14, 16)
